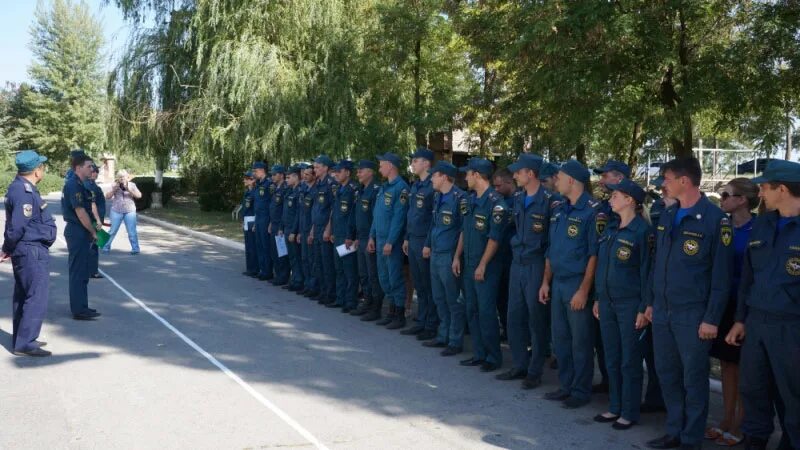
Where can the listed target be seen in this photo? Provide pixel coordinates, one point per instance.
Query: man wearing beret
(768, 313)
(29, 233)
(310, 280)
(248, 219)
(289, 227)
(343, 232)
(386, 237)
(366, 197)
(261, 209)
(98, 211)
(279, 189)
(322, 247)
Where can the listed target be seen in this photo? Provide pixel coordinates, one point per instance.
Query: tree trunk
(159, 182)
(788, 154)
(580, 153)
(637, 132)
(421, 136)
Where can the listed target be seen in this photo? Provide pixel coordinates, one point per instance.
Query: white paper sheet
(342, 250)
(280, 244)
(247, 221)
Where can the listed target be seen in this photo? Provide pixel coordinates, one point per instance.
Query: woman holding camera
(123, 209)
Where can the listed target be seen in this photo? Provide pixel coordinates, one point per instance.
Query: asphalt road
(191, 354)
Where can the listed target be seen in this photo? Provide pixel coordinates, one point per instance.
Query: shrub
(147, 185)
(216, 191)
(50, 183)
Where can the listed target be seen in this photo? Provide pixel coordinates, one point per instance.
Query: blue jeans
(130, 225)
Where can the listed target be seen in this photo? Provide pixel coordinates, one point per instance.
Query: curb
(195, 234)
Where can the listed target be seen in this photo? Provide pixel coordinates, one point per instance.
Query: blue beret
(366, 164)
(527, 161)
(27, 160)
(628, 186)
(248, 174)
(324, 160)
(343, 165)
(259, 165)
(780, 170)
(423, 152)
(480, 165)
(576, 170)
(614, 165)
(445, 168)
(392, 158)
(277, 168)
(548, 170)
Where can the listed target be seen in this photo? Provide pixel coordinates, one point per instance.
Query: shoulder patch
(404, 196)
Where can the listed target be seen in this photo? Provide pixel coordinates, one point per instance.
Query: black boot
(399, 320)
(389, 317)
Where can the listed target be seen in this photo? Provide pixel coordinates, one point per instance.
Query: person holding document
(343, 236)
(248, 225)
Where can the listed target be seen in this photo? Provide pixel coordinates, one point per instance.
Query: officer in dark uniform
(278, 190)
(440, 246)
(290, 226)
(311, 285)
(484, 223)
(527, 317)
(29, 233)
(386, 237)
(261, 209)
(79, 234)
(248, 220)
(570, 266)
(366, 195)
(548, 175)
(418, 225)
(503, 181)
(343, 232)
(321, 231)
(98, 200)
(693, 248)
(768, 311)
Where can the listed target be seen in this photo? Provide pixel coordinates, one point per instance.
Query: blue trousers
(481, 299)
(368, 273)
(250, 256)
(310, 280)
(326, 271)
(279, 264)
(94, 259)
(31, 263)
(295, 263)
(346, 279)
(683, 369)
(446, 294)
(527, 318)
(770, 369)
(652, 395)
(623, 355)
(262, 250)
(390, 273)
(420, 269)
(573, 338)
(78, 243)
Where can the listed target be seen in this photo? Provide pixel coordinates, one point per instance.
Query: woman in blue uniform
(623, 266)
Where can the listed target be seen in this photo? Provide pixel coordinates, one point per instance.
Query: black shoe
(288, 287)
(603, 419)
(347, 309)
(489, 367)
(91, 310)
(262, 277)
(433, 343)
(645, 408)
(397, 323)
(531, 383)
(96, 275)
(601, 388)
(371, 316)
(558, 395)
(622, 426)
(267, 277)
(32, 352)
(385, 321)
(415, 330)
(40, 343)
(665, 441)
(358, 312)
(426, 335)
(248, 274)
(574, 403)
(93, 313)
(471, 362)
(330, 304)
(753, 443)
(513, 374)
(301, 291)
(451, 351)
(83, 316)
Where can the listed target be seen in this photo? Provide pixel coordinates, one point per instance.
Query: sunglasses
(726, 195)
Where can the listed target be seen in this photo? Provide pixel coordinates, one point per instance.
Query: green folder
(102, 238)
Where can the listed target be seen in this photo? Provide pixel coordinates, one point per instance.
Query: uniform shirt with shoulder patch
(391, 207)
(486, 218)
(573, 237)
(343, 224)
(365, 204)
(27, 217)
(446, 221)
(73, 197)
(418, 222)
(624, 260)
(532, 225)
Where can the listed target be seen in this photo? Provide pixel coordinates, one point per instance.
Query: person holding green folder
(95, 193)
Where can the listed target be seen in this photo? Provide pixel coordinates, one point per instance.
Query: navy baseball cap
(277, 168)
(445, 168)
(527, 161)
(548, 170)
(628, 186)
(366, 164)
(295, 169)
(343, 165)
(423, 152)
(303, 166)
(248, 174)
(480, 165)
(611, 164)
(77, 153)
(392, 158)
(657, 181)
(324, 160)
(259, 165)
(576, 170)
(779, 170)
(28, 160)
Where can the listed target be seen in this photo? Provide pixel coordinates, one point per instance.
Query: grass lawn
(185, 211)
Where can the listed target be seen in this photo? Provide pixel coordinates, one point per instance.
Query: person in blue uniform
(768, 311)
(80, 234)
(418, 224)
(527, 317)
(248, 224)
(29, 232)
(279, 189)
(440, 248)
(343, 232)
(623, 269)
(311, 285)
(370, 308)
(290, 226)
(485, 217)
(98, 200)
(261, 210)
(321, 230)
(503, 182)
(693, 248)
(386, 237)
(548, 176)
(567, 284)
